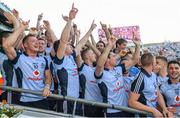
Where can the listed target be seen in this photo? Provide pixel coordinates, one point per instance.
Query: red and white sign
(122, 32)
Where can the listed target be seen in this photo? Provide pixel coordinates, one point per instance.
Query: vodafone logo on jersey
(118, 84)
(177, 98)
(36, 73)
(117, 87)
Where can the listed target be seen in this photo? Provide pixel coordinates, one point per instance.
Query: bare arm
(103, 57)
(95, 50)
(66, 32)
(83, 41)
(136, 54)
(9, 42)
(163, 105)
(77, 36)
(106, 31)
(48, 79)
(50, 31)
(72, 37)
(92, 40)
(12, 20)
(40, 16)
(134, 103)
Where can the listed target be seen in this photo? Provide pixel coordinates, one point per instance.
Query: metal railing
(75, 100)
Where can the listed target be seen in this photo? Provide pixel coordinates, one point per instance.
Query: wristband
(47, 86)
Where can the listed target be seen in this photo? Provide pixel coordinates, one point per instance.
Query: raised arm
(9, 42)
(92, 40)
(77, 36)
(136, 54)
(40, 16)
(50, 31)
(12, 20)
(83, 41)
(18, 42)
(103, 57)
(95, 50)
(106, 31)
(66, 32)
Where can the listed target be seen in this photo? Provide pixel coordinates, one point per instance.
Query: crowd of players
(78, 67)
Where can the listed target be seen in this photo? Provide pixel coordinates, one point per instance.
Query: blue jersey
(127, 86)
(111, 84)
(172, 94)
(49, 58)
(161, 80)
(67, 73)
(146, 85)
(31, 73)
(89, 84)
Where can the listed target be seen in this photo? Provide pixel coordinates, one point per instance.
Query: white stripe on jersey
(138, 83)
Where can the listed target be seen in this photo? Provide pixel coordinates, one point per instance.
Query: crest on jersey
(36, 73)
(35, 65)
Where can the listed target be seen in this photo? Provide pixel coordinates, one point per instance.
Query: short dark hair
(56, 45)
(120, 41)
(27, 37)
(173, 62)
(147, 59)
(83, 52)
(164, 59)
(100, 41)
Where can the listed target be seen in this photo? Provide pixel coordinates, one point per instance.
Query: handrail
(104, 105)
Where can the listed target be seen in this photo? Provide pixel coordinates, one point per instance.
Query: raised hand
(135, 39)
(46, 24)
(11, 18)
(103, 26)
(73, 12)
(93, 25)
(112, 41)
(24, 24)
(110, 29)
(15, 13)
(40, 16)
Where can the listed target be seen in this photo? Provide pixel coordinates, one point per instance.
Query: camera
(4, 26)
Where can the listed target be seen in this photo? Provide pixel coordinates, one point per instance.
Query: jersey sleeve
(15, 60)
(138, 84)
(57, 60)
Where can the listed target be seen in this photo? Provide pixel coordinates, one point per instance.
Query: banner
(121, 32)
